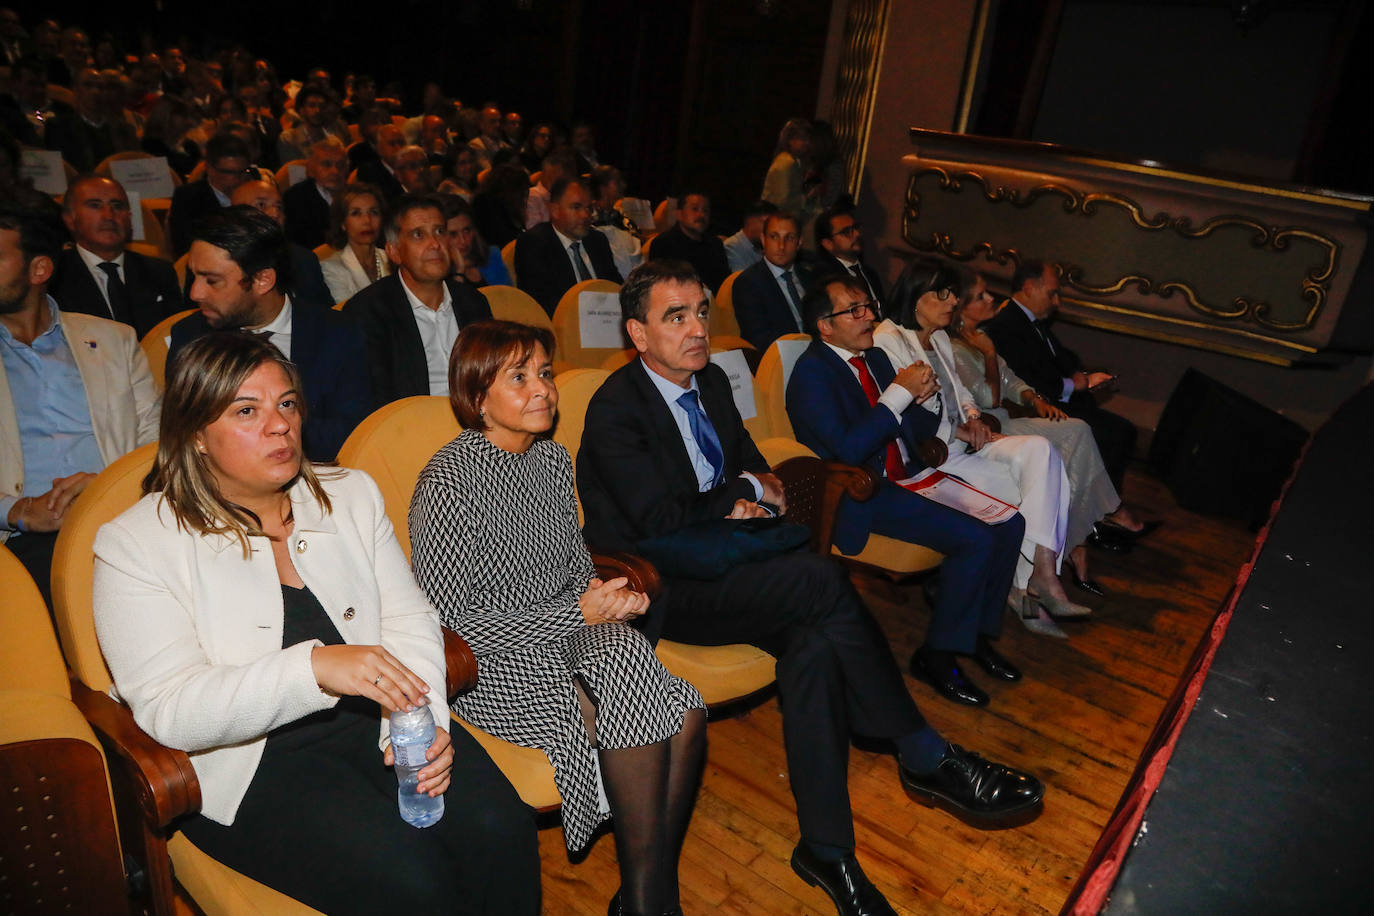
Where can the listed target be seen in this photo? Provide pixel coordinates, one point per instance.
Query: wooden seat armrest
(164, 783)
(460, 665)
(841, 480)
(642, 574)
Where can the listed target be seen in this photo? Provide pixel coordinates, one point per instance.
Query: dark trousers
(1114, 434)
(34, 551)
(836, 674)
(977, 572)
(321, 825)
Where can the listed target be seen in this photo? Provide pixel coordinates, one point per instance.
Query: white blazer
(345, 276)
(192, 631)
(123, 400)
(903, 348)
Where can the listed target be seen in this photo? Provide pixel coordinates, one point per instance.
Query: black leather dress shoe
(980, 793)
(993, 662)
(1090, 586)
(1106, 540)
(941, 671)
(1122, 533)
(844, 881)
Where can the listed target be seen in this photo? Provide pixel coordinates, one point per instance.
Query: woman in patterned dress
(496, 547)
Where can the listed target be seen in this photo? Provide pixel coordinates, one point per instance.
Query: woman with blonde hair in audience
(1022, 470)
(260, 616)
(356, 217)
(786, 184)
(497, 548)
(471, 259)
(990, 381)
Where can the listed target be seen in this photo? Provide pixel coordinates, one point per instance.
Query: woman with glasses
(986, 375)
(1023, 470)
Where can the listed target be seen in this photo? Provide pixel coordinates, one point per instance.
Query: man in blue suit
(846, 404)
(240, 272)
(767, 295)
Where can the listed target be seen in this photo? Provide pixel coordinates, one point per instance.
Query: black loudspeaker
(1222, 453)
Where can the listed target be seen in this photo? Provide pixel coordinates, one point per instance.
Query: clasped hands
(45, 513)
(611, 601)
(919, 379)
(373, 672)
(772, 493)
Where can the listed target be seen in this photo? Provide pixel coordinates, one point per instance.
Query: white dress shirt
(671, 391)
(782, 285)
(572, 259)
(438, 332)
(102, 279)
(278, 330)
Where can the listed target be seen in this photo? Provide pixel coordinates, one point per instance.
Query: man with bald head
(98, 276)
(382, 170)
(307, 279)
(412, 170)
(307, 203)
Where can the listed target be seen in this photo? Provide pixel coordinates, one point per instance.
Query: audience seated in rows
(307, 278)
(227, 165)
(553, 256)
(307, 202)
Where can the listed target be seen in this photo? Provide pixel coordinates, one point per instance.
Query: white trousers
(1027, 472)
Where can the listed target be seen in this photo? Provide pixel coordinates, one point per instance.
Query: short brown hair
(482, 349)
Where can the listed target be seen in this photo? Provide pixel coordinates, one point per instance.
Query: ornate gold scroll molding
(856, 83)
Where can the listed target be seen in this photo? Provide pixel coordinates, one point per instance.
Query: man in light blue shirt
(75, 394)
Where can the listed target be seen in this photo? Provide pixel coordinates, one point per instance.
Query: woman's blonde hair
(205, 378)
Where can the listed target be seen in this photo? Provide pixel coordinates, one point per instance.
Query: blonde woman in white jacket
(1023, 470)
(263, 619)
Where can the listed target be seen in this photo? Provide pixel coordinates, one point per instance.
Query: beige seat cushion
(720, 673)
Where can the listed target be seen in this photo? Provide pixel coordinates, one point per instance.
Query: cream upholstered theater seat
(723, 320)
(567, 329)
(511, 304)
(156, 344)
(889, 556)
(216, 888)
(323, 252)
(769, 383)
(393, 445)
(47, 745)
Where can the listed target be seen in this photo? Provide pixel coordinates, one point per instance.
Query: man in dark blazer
(840, 250)
(663, 451)
(381, 170)
(241, 279)
(690, 239)
(307, 277)
(98, 275)
(767, 295)
(412, 318)
(837, 412)
(553, 256)
(1021, 331)
(307, 202)
(226, 167)
(85, 137)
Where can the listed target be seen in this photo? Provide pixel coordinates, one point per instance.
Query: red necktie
(893, 465)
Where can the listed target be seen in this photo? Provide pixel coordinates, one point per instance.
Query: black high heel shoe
(1088, 585)
(1108, 529)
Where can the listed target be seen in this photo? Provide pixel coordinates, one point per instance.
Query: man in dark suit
(553, 256)
(767, 295)
(412, 318)
(98, 275)
(863, 413)
(381, 171)
(307, 203)
(84, 137)
(226, 167)
(663, 453)
(1025, 340)
(241, 279)
(306, 276)
(840, 250)
(690, 239)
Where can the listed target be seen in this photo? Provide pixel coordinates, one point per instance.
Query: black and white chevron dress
(495, 546)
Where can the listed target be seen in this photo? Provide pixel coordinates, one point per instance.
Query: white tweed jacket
(192, 631)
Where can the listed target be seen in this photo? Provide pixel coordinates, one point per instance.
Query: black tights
(651, 790)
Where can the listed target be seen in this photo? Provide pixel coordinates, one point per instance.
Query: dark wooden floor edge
(1089, 894)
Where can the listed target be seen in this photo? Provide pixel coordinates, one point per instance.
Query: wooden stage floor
(1079, 720)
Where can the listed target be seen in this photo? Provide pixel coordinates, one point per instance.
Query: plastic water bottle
(411, 735)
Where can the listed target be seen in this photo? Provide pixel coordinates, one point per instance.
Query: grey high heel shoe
(1035, 618)
(1060, 607)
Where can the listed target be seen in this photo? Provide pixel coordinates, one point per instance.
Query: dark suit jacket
(81, 144)
(1028, 355)
(151, 284)
(707, 255)
(831, 416)
(760, 306)
(189, 202)
(395, 353)
(544, 270)
(329, 350)
(307, 214)
(307, 279)
(633, 472)
(375, 172)
(827, 266)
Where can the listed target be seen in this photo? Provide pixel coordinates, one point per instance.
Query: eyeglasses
(856, 311)
(848, 230)
(943, 294)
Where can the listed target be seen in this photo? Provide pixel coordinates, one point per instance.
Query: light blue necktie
(704, 433)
